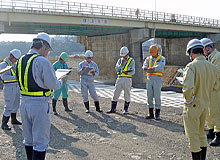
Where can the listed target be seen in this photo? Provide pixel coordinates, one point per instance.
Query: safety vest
(25, 78)
(12, 73)
(152, 64)
(125, 68)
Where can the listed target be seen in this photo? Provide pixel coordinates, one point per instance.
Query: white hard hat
(206, 42)
(16, 53)
(124, 51)
(45, 37)
(89, 54)
(193, 44)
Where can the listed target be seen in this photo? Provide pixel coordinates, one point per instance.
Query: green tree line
(59, 44)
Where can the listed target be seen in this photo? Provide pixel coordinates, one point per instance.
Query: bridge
(73, 18)
(104, 29)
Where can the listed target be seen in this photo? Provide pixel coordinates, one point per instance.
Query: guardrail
(103, 10)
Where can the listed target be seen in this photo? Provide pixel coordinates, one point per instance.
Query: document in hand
(181, 70)
(5, 69)
(180, 79)
(60, 73)
(88, 70)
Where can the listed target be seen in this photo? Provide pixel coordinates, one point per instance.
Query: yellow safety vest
(23, 81)
(150, 64)
(125, 69)
(12, 73)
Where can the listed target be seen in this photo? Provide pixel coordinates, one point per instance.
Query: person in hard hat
(36, 80)
(200, 79)
(87, 70)
(61, 64)
(125, 68)
(213, 116)
(11, 89)
(154, 67)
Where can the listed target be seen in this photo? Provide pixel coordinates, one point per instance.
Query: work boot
(87, 106)
(157, 114)
(29, 152)
(211, 134)
(203, 153)
(14, 119)
(126, 105)
(66, 105)
(4, 123)
(151, 114)
(196, 155)
(97, 106)
(54, 102)
(113, 108)
(216, 140)
(38, 155)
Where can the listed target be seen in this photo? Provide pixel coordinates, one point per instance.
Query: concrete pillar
(106, 53)
(137, 37)
(216, 39)
(174, 50)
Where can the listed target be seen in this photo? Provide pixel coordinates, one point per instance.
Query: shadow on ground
(59, 140)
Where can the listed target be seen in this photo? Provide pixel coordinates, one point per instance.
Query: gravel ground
(100, 136)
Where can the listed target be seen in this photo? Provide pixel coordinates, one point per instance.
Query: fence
(56, 7)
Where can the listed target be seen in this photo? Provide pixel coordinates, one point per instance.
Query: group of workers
(29, 82)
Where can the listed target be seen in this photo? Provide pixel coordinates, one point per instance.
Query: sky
(198, 8)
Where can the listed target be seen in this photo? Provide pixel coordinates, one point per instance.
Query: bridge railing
(57, 6)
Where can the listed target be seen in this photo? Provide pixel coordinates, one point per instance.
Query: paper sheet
(5, 69)
(60, 73)
(181, 70)
(180, 79)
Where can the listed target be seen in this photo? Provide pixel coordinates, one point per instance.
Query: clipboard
(88, 70)
(5, 69)
(60, 73)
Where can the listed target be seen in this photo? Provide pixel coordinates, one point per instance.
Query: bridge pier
(174, 50)
(216, 39)
(106, 52)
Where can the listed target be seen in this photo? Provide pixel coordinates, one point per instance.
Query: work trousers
(88, 86)
(153, 87)
(194, 122)
(35, 115)
(12, 99)
(63, 89)
(122, 83)
(213, 116)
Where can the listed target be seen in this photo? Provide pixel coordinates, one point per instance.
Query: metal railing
(57, 7)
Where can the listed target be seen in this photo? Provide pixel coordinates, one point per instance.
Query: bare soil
(100, 136)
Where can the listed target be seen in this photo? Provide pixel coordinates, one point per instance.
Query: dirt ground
(100, 136)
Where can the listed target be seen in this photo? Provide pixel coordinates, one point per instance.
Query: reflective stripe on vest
(125, 69)
(12, 73)
(156, 73)
(24, 88)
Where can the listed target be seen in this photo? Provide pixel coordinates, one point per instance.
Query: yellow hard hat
(153, 50)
